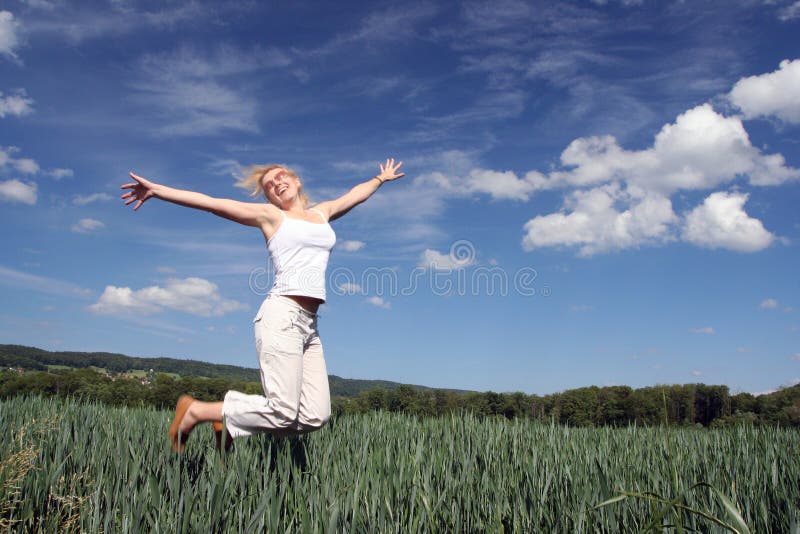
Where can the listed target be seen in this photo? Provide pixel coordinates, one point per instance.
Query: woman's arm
(247, 213)
(358, 194)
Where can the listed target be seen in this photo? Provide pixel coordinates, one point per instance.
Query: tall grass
(69, 466)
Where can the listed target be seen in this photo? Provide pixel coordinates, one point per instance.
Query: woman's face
(280, 186)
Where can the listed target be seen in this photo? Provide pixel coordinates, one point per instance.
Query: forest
(108, 378)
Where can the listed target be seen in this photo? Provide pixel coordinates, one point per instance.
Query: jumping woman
(299, 238)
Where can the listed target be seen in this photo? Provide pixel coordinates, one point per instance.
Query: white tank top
(299, 252)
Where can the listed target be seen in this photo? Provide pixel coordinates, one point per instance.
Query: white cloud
(695, 372)
(85, 226)
(349, 288)
(790, 12)
(190, 295)
(226, 167)
(768, 304)
(116, 300)
(379, 302)
(594, 223)
(620, 199)
(8, 35)
(24, 165)
(721, 222)
(461, 255)
(701, 150)
(82, 200)
(705, 330)
(351, 246)
(58, 174)
(16, 191)
(500, 185)
(16, 103)
(773, 94)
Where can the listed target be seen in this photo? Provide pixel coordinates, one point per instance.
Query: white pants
(296, 396)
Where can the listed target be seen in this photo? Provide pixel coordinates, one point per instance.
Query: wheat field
(85, 467)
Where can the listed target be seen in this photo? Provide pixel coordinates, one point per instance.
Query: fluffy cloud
(379, 302)
(349, 288)
(768, 304)
(620, 198)
(191, 295)
(86, 226)
(16, 191)
(461, 255)
(17, 104)
(593, 222)
(24, 165)
(8, 35)
(351, 246)
(721, 222)
(58, 174)
(701, 150)
(773, 94)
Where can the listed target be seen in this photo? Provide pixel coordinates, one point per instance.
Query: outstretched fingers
(139, 191)
(389, 169)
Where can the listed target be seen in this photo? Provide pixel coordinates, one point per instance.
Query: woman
(296, 398)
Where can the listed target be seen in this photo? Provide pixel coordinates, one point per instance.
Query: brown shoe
(178, 440)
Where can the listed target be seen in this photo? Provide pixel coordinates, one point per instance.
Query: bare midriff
(310, 304)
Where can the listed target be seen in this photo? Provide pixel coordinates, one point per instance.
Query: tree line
(688, 404)
(35, 359)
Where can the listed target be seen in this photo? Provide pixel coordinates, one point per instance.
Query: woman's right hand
(140, 191)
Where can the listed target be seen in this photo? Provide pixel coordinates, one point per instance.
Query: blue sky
(596, 193)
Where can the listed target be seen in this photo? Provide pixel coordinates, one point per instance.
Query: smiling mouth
(280, 190)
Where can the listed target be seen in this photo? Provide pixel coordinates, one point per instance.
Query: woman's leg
(188, 413)
(200, 412)
(315, 396)
(279, 344)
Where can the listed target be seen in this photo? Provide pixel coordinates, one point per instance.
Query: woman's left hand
(389, 170)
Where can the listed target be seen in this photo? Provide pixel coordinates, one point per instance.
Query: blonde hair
(255, 174)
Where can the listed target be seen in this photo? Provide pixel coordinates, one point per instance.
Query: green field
(87, 467)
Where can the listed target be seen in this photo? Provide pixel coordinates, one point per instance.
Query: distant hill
(35, 359)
